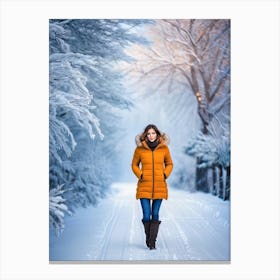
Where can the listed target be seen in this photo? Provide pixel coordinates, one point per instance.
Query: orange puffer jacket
(154, 165)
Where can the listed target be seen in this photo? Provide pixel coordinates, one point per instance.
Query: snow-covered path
(195, 226)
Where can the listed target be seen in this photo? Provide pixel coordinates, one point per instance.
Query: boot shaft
(147, 231)
(154, 227)
(147, 227)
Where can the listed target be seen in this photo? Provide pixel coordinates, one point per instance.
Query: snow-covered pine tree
(85, 96)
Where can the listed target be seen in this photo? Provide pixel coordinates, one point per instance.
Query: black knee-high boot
(154, 227)
(147, 231)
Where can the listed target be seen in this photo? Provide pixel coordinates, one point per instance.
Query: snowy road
(195, 226)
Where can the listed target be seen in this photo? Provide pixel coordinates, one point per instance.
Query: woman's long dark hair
(147, 128)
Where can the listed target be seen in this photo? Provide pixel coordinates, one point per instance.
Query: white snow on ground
(195, 226)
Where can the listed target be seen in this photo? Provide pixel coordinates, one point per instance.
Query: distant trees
(85, 98)
(194, 55)
(213, 150)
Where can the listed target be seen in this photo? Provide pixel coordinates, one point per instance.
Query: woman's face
(152, 136)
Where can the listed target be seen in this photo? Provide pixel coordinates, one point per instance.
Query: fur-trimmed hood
(164, 140)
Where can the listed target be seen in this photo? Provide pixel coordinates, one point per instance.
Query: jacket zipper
(153, 175)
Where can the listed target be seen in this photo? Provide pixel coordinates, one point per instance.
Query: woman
(156, 165)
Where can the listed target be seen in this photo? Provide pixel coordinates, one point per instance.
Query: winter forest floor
(195, 226)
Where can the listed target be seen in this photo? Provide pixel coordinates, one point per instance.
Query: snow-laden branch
(180, 47)
(57, 209)
(212, 148)
(68, 90)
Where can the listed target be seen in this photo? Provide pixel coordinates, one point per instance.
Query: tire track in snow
(189, 230)
(205, 226)
(165, 236)
(109, 227)
(135, 227)
(180, 236)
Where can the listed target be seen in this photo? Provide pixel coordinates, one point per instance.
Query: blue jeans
(147, 211)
